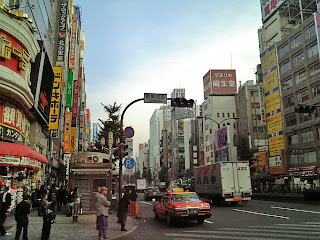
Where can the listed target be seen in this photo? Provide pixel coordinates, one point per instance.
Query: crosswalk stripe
(241, 235)
(313, 223)
(179, 236)
(270, 230)
(297, 225)
(286, 227)
(296, 210)
(263, 214)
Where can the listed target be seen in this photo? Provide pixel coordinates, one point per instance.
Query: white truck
(141, 185)
(224, 182)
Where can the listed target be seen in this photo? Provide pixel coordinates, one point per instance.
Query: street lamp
(218, 123)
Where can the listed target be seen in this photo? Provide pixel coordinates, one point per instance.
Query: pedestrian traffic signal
(305, 109)
(182, 102)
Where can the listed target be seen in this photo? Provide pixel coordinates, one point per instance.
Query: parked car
(181, 206)
(152, 193)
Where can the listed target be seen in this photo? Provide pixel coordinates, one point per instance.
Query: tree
(112, 124)
(147, 175)
(163, 174)
(136, 175)
(246, 154)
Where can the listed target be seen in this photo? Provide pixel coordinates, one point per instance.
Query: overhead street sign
(129, 163)
(129, 132)
(155, 98)
(129, 150)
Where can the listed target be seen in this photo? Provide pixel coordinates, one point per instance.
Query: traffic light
(182, 102)
(305, 109)
(122, 150)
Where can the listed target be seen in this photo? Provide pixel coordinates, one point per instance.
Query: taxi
(181, 206)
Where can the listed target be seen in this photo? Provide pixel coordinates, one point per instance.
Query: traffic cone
(137, 213)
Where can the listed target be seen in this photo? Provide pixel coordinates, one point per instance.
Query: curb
(126, 233)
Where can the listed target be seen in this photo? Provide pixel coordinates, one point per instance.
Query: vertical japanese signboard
(55, 99)
(95, 127)
(273, 110)
(69, 89)
(268, 7)
(67, 132)
(72, 57)
(61, 43)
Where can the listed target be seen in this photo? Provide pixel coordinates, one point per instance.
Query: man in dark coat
(5, 202)
(123, 209)
(21, 217)
(46, 227)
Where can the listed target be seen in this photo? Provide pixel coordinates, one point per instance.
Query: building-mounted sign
(61, 41)
(69, 89)
(268, 7)
(73, 43)
(55, 99)
(67, 132)
(13, 55)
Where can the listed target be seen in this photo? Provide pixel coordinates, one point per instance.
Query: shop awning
(21, 150)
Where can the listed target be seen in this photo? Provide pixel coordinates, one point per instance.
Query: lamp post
(218, 123)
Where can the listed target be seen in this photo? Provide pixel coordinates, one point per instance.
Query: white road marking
(298, 225)
(297, 210)
(206, 221)
(258, 229)
(239, 235)
(313, 223)
(309, 227)
(146, 203)
(262, 214)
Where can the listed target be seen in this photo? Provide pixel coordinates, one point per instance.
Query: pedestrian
(133, 199)
(77, 198)
(98, 192)
(70, 202)
(44, 212)
(52, 197)
(5, 203)
(21, 217)
(123, 209)
(102, 212)
(60, 198)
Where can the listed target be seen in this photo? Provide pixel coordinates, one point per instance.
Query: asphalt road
(255, 220)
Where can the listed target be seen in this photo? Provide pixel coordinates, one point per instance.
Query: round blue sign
(129, 132)
(129, 163)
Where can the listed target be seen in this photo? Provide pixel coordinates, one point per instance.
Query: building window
(233, 115)
(255, 105)
(307, 137)
(316, 113)
(260, 129)
(298, 59)
(303, 96)
(283, 51)
(316, 91)
(223, 115)
(318, 132)
(309, 157)
(217, 115)
(228, 115)
(293, 139)
(289, 102)
(287, 84)
(296, 42)
(205, 107)
(314, 70)
(256, 117)
(312, 51)
(285, 67)
(310, 32)
(304, 117)
(291, 120)
(300, 77)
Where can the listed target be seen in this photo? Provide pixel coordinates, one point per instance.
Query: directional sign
(129, 132)
(129, 150)
(155, 98)
(129, 163)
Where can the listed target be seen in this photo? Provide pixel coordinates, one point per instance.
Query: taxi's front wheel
(170, 219)
(200, 220)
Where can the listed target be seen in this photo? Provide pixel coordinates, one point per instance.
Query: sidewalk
(64, 228)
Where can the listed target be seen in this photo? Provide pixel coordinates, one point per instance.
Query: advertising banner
(69, 89)
(66, 161)
(268, 7)
(317, 23)
(273, 109)
(261, 163)
(61, 43)
(95, 127)
(55, 99)
(180, 127)
(222, 139)
(76, 98)
(223, 81)
(12, 122)
(67, 133)
(73, 43)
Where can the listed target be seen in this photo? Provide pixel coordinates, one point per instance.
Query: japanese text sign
(55, 99)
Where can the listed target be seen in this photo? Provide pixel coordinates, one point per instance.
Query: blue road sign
(129, 163)
(129, 132)
(129, 150)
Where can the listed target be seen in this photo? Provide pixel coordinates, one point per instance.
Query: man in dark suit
(5, 200)
(21, 217)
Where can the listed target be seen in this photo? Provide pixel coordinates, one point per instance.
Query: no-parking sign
(129, 132)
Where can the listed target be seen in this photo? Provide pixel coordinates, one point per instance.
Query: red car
(181, 206)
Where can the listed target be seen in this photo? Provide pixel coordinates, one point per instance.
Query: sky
(153, 46)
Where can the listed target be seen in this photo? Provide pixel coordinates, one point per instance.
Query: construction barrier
(133, 209)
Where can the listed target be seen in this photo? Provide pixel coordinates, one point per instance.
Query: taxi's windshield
(185, 197)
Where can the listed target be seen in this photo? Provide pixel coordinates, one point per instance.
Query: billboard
(180, 127)
(261, 163)
(73, 43)
(69, 89)
(273, 110)
(268, 7)
(67, 133)
(55, 99)
(61, 43)
(95, 130)
(222, 138)
(219, 82)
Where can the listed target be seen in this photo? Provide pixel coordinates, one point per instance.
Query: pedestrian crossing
(307, 230)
